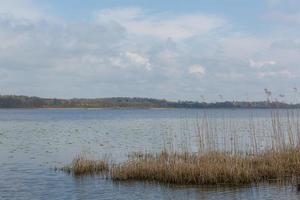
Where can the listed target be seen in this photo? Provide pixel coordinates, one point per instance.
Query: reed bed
(83, 166)
(278, 160)
(210, 169)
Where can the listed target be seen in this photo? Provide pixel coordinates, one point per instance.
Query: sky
(199, 50)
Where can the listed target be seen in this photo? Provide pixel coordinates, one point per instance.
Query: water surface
(33, 142)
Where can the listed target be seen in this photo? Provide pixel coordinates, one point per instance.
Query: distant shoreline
(27, 102)
(140, 108)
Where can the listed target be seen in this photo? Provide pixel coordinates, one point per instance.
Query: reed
(83, 166)
(210, 169)
(277, 160)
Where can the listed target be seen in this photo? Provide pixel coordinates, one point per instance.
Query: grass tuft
(277, 160)
(83, 166)
(210, 169)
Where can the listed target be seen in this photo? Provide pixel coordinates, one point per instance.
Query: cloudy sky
(188, 50)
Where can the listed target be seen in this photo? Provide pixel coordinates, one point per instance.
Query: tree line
(13, 101)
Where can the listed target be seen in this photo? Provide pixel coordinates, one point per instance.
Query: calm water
(33, 142)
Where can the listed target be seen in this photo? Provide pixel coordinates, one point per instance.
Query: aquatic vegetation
(279, 160)
(83, 166)
(187, 168)
(210, 168)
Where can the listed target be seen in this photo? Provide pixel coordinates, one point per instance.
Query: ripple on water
(34, 141)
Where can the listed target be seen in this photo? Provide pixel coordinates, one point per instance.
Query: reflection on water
(34, 141)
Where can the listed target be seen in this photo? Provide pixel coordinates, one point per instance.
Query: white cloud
(286, 44)
(71, 48)
(281, 73)
(197, 70)
(261, 64)
(161, 25)
(130, 45)
(242, 47)
(20, 9)
(231, 76)
(139, 60)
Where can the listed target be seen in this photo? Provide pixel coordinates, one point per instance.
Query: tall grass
(273, 153)
(83, 166)
(210, 168)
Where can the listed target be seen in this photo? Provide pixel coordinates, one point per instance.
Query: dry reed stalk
(210, 169)
(212, 165)
(83, 166)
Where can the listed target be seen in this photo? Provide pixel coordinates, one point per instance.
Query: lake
(34, 141)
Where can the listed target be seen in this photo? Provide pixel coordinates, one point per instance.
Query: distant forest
(12, 101)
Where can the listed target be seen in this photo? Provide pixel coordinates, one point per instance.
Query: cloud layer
(161, 25)
(135, 52)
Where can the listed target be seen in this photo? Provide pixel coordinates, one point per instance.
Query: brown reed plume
(83, 166)
(230, 163)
